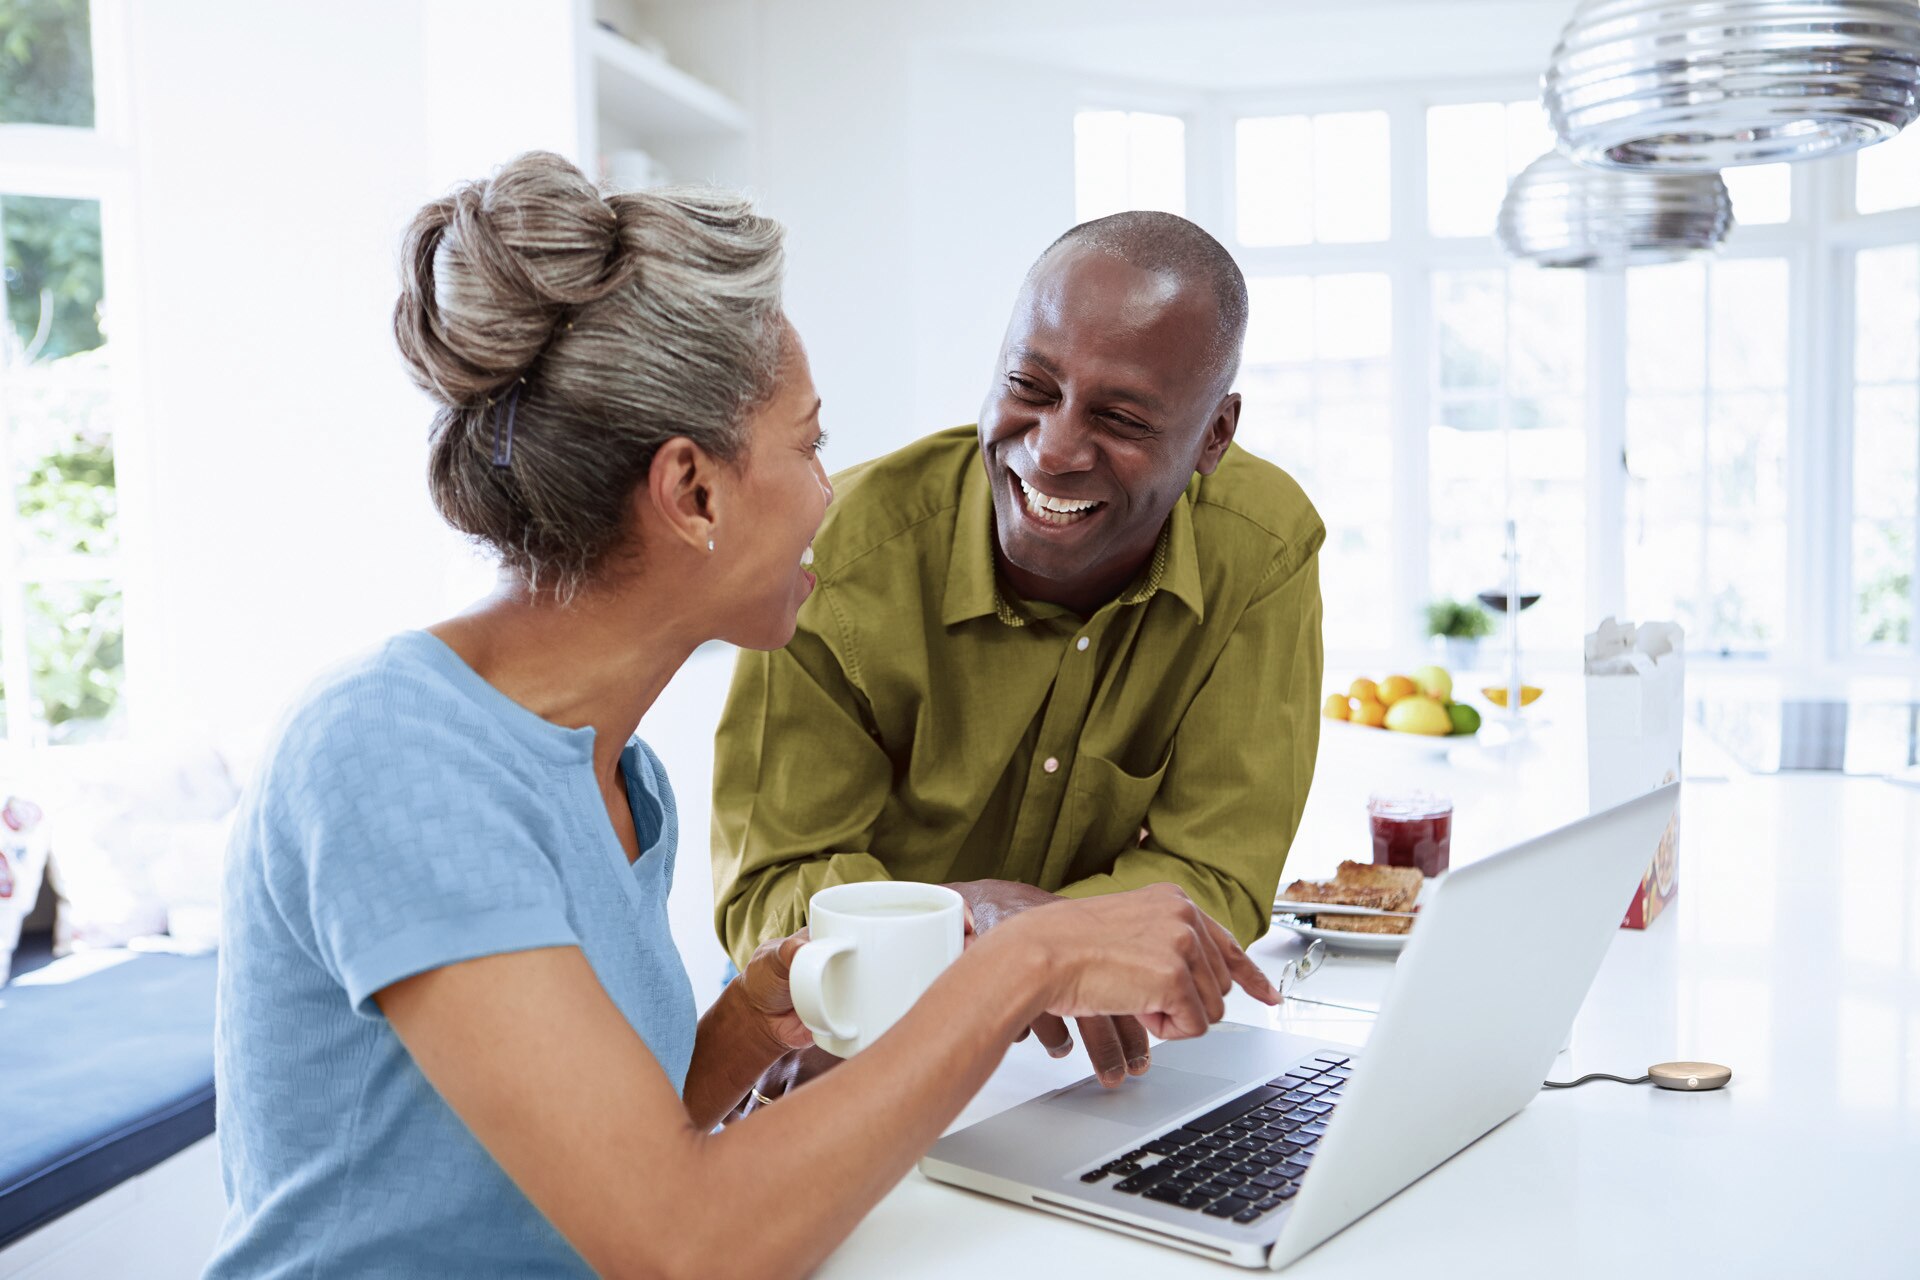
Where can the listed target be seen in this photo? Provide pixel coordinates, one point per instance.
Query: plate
(1360, 736)
(1342, 940)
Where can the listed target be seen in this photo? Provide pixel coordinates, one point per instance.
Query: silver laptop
(1253, 1146)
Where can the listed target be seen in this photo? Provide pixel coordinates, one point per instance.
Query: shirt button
(1081, 644)
(1052, 764)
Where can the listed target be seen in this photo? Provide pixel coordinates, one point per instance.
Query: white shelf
(649, 97)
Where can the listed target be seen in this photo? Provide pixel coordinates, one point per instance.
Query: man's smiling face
(1107, 398)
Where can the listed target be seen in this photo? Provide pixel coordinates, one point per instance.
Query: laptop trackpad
(1142, 1102)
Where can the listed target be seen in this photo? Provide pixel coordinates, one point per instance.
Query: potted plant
(1461, 624)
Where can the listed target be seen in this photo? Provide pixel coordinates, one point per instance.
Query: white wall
(921, 153)
(281, 151)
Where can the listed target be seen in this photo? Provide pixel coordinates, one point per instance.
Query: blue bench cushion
(101, 1078)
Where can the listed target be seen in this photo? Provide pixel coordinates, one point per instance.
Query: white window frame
(66, 162)
(1817, 243)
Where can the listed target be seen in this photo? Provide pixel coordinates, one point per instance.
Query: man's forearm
(771, 901)
(731, 1049)
(1218, 893)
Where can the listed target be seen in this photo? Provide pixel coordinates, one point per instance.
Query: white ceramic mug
(874, 948)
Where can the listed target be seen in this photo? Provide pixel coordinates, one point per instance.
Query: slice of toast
(1403, 883)
(1347, 895)
(1364, 924)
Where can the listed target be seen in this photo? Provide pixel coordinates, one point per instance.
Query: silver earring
(709, 544)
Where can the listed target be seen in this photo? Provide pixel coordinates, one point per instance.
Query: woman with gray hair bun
(455, 1037)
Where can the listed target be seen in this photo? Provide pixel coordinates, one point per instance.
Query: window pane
(1666, 328)
(46, 63)
(1473, 150)
(1529, 134)
(1886, 481)
(1469, 312)
(1749, 346)
(60, 434)
(1128, 160)
(1317, 390)
(1466, 167)
(1887, 301)
(77, 651)
(1888, 174)
(1350, 176)
(1886, 443)
(1547, 346)
(1508, 442)
(53, 274)
(1706, 450)
(1274, 196)
(1299, 179)
(1762, 193)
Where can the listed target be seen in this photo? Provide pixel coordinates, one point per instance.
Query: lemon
(1465, 718)
(1497, 694)
(1336, 707)
(1417, 713)
(1370, 711)
(1394, 688)
(1364, 690)
(1434, 682)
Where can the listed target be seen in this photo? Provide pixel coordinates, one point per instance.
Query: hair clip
(503, 443)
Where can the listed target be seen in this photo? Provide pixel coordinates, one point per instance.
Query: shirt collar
(973, 588)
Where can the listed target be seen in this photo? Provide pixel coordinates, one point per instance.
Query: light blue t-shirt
(411, 816)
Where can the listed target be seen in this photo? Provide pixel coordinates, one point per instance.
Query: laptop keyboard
(1243, 1159)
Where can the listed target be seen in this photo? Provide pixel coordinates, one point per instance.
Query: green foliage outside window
(55, 280)
(68, 502)
(78, 641)
(46, 63)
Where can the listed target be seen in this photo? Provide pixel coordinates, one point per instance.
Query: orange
(1371, 711)
(1364, 689)
(1497, 694)
(1394, 688)
(1336, 707)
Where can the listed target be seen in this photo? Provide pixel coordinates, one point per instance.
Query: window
(1762, 193)
(62, 663)
(1473, 151)
(1888, 174)
(1128, 160)
(1508, 439)
(1706, 440)
(1886, 446)
(1312, 179)
(1635, 426)
(1316, 388)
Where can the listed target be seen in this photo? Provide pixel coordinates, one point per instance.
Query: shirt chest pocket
(1108, 811)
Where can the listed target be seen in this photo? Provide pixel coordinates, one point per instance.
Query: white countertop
(1792, 955)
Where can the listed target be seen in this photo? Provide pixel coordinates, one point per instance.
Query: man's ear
(681, 494)
(1226, 420)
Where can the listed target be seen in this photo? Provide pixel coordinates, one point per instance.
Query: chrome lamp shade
(1703, 86)
(1560, 214)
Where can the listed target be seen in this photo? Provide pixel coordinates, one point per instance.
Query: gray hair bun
(617, 322)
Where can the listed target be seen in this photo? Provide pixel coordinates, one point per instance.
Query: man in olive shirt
(1073, 651)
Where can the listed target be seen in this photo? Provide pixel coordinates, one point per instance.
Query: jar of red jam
(1411, 829)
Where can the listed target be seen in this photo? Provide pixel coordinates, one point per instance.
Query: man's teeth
(1054, 510)
(806, 557)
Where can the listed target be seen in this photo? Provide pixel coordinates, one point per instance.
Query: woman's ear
(681, 497)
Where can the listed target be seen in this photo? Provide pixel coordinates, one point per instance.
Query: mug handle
(806, 984)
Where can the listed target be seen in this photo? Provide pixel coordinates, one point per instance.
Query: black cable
(1597, 1075)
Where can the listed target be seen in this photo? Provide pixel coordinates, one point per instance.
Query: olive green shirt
(924, 724)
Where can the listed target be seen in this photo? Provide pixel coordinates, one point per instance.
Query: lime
(1465, 718)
